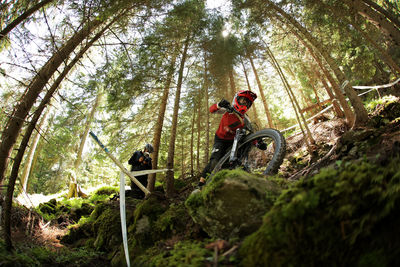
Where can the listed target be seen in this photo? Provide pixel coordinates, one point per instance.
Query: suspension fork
(233, 156)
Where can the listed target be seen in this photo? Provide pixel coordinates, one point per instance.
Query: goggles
(244, 101)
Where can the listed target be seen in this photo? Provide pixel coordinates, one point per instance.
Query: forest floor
(334, 143)
(30, 228)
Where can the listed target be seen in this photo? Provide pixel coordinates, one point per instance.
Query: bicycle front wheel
(254, 160)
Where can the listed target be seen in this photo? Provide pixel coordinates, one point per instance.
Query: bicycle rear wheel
(254, 160)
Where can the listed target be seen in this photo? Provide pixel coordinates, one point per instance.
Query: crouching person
(139, 161)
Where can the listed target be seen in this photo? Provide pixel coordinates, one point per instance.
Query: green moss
(72, 202)
(150, 207)
(73, 209)
(106, 190)
(179, 184)
(48, 210)
(33, 255)
(99, 209)
(80, 231)
(184, 253)
(232, 204)
(384, 111)
(173, 221)
(107, 228)
(141, 225)
(386, 100)
(196, 200)
(338, 217)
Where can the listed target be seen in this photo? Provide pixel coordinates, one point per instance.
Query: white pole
(122, 210)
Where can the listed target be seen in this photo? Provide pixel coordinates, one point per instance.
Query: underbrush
(75, 207)
(34, 255)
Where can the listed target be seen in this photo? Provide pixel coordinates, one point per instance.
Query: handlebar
(247, 122)
(232, 110)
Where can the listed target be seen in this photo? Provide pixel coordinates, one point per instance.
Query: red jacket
(228, 125)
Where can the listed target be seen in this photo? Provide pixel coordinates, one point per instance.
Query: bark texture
(170, 190)
(160, 122)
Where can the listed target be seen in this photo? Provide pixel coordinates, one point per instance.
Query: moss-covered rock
(384, 111)
(232, 204)
(102, 228)
(172, 221)
(48, 207)
(106, 190)
(107, 229)
(77, 233)
(345, 217)
(142, 232)
(84, 211)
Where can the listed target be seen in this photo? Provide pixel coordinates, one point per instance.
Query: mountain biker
(230, 121)
(141, 160)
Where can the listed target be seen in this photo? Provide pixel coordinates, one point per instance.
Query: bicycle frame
(240, 134)
(245, 138)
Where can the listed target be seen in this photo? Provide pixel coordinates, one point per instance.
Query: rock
(107, 227)
(351, 137)
(351, 210)
(353, 152)
(233, 204)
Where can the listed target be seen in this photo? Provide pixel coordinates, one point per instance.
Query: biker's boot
(202, 182)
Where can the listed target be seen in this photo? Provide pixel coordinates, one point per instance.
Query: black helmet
(149, 148)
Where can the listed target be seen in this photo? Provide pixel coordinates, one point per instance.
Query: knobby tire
(273, 165)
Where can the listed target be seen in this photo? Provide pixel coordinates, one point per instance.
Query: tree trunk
(312, 83)
(39, 149)
(14, 124)
(263, 98)
(378, 19)
(335, 104)
(361, 114)
(225, 89)
(22, 17)
(293, 100)
(192, 139)
(198, 124)
(32, 150)
(245, 74)
(310, 137)
(183, 155)
(74, 188)
(392, 17)
(254, 110)
(171, 148)
(160, 121)
(348, 113)
(207, 112)
(232, 82)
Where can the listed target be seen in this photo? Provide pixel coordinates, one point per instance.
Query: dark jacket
(139, 161)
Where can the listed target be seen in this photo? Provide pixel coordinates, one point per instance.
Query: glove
(224, 104)
(261, 145)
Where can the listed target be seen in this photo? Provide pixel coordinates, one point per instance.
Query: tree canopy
(143, 58)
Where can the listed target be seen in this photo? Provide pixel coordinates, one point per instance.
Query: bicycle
(245, 154)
